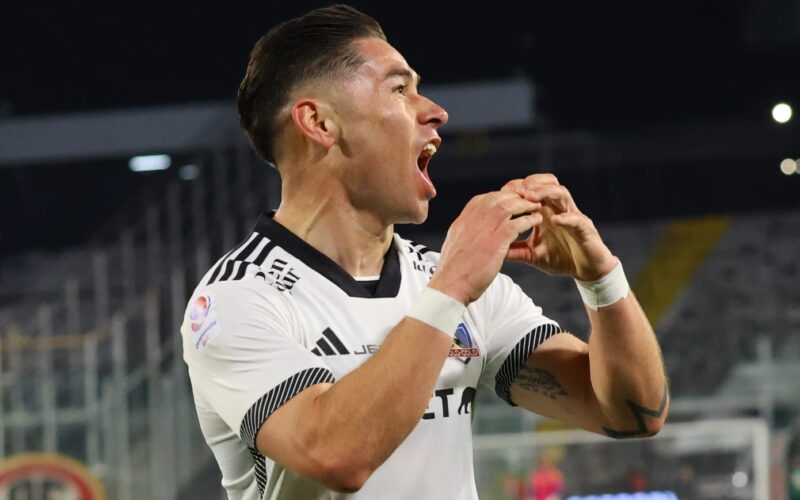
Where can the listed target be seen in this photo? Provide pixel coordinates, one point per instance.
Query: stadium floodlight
(781, 112)
(789, 166)
(149, 163)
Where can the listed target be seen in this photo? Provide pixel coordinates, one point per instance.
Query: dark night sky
(597, 66)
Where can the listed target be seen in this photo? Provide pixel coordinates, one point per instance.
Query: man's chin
(422, 213)
(416, 216)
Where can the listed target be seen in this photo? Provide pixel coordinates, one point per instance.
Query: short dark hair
(314, 46)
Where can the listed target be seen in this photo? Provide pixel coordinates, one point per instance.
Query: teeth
(430, 149)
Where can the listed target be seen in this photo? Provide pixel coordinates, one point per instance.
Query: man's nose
(432, 113)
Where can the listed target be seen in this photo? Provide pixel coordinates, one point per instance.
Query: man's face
(386, 131)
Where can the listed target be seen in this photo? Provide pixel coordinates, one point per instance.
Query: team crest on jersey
(463, 347)
(203, 320)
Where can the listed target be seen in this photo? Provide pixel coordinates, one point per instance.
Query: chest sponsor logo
(463, 348)
(441, 405)
(367, 349)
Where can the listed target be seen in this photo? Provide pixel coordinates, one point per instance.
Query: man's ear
(316, 121)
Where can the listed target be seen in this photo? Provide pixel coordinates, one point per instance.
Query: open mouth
(425, 156)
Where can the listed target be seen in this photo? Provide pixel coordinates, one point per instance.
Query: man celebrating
(331, 358)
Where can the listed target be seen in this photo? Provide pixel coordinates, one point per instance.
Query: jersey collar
(388, 286)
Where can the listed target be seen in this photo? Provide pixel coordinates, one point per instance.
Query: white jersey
(275, 316)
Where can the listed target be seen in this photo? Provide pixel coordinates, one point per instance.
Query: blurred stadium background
(662, 119)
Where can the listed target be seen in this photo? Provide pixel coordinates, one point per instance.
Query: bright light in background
(782, 112)
(149, 163)
(189, 172)
(739, 479)
(789, 166)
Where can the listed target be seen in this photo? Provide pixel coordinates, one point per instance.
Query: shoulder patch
(203, 320)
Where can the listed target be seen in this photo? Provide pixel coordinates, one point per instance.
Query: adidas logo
(329, 345)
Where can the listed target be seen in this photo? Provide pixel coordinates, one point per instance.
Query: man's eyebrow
(404, 73)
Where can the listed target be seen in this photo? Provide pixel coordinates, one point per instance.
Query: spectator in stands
(546, 482)
(637, 481)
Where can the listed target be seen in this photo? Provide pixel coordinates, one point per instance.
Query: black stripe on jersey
(236, 267)
(222, 261)
(262, 255)
(246, 251)
(518, 356)
(326, 347)
(252, 240)
(277, 396)
(335, 341)
(260, 469)
(228, 270)
(241, 256)
(242, 269)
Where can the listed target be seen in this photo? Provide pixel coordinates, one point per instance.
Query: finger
(510, 204)
(514, 186)
(525, 223)
(576, 224)
(522, 251)
(541, 179)
(519, 252)
(556, 196)
(568, 220)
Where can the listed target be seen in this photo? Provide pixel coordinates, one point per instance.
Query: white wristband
(438, 310)
(609, 289)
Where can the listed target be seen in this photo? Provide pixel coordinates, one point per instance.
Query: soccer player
(331, 358)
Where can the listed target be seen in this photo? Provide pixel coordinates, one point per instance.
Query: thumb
(567, 220)
(573, 223)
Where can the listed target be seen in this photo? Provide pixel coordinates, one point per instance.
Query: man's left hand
(566, 242)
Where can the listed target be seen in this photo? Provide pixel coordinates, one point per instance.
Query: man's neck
(354, 239)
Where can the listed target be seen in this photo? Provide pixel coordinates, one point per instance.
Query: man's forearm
(367, 414)
(627, 370)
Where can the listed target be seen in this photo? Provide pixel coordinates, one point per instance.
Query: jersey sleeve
(242, 344)
(514, 327)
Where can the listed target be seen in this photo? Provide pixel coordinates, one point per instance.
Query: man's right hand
(478, 241)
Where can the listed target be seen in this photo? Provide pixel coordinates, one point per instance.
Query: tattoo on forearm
(639, 412)
(539, 381)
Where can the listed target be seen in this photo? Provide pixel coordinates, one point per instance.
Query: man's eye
(400, 88)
